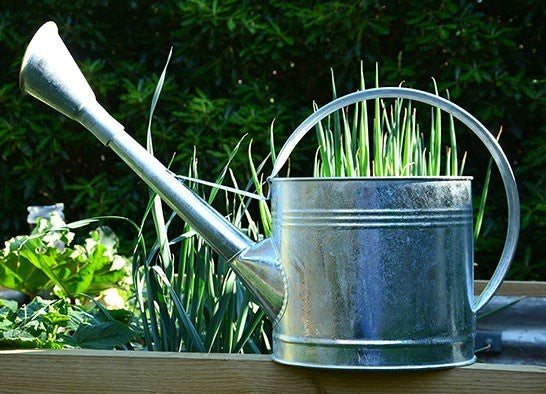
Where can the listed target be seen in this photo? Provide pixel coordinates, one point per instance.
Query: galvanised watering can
(359, 273)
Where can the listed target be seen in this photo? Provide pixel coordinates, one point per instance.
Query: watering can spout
(259, 268)
(50, 74)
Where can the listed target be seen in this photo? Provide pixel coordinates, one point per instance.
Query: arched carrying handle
(468, 120)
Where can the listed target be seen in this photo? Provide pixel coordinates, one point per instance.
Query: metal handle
(468, 120)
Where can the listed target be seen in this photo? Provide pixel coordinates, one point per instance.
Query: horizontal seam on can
(372, 342)
(377, 218)
(395, 211)
(368, 225)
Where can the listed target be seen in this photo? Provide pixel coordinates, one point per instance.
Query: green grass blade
(378, 137)
(323, 147)
(481, 209)
(221, 308)
(157, 212)
(265, 214)
(195, 340)
(364, 139)
(272, 144)
(498, 309)
(219, 180)
(249, 330)
(437, 131)
(354, 133)
(349, 164)
(453, 142)
(337, 133)
(483, 199)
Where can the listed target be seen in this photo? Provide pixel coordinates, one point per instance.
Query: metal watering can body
(378, 272)
(359, 273)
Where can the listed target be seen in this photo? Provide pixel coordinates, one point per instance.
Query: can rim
(375, 178)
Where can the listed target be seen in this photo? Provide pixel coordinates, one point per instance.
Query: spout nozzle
(49, 73)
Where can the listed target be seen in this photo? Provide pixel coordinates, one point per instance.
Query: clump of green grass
(188, 297)
(392, 145)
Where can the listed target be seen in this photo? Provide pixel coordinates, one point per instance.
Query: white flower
(118, 262)
(112, 300)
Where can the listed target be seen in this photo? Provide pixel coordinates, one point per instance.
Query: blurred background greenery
(237, 65)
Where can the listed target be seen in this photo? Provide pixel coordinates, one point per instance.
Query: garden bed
(120, 371)
(116, 371)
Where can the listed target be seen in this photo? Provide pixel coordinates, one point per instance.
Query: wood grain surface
(88, 371)
(515, 288)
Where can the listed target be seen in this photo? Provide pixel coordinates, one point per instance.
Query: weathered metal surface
(379, 272)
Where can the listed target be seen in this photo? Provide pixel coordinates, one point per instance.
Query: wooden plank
(515, 288)
(88, 371)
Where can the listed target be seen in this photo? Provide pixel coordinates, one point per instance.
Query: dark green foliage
(237, 65)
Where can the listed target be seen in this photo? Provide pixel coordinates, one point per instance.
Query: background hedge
(237, 65)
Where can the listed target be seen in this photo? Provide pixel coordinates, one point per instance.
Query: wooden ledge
(515, 288)
(85, 371)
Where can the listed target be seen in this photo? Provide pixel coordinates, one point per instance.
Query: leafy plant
(58, 324)
(48, 259)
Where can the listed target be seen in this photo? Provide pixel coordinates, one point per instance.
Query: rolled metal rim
(469, 121)
(374, 367)
(375, 179)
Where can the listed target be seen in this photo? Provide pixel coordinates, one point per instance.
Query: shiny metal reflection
(379, 272)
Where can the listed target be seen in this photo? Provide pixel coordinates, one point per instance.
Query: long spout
(50, 74)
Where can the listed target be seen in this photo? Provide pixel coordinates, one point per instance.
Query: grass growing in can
(393, 145)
